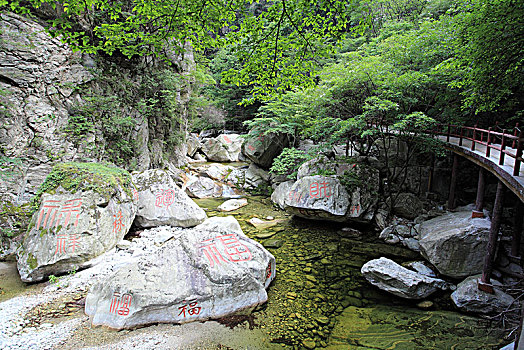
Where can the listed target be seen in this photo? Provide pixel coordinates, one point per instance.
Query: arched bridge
(499, 152)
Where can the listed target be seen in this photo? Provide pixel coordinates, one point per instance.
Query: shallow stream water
(320, 299)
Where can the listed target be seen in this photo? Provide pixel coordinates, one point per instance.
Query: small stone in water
(426, 304)
(309, 344)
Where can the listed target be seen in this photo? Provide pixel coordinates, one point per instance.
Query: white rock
(392, 277)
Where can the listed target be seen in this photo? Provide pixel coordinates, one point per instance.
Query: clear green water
(320, 299)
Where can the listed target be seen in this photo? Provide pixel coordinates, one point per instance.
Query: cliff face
(57, 105)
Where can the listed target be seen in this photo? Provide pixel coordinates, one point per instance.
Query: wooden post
(479, 202)
(484, 283)
(518, 154)
(488, 143)
(461, 135)
(515, 133)
(449, 131)
(453, 184)
(502, 148)
(473, 137)
(518, 217)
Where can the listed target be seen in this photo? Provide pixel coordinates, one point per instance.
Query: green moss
(32, 262)
(101, 178)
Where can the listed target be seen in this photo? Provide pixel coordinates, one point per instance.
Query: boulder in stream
(469, 298)
(162, 202)
(207, 272)
(81, 216)
(400, 281)
(455, 243)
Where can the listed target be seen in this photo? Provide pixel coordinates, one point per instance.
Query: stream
(318, 299)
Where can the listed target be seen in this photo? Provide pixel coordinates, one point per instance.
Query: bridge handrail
(516, 138)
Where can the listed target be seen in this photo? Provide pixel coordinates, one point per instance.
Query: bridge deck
(491, 163)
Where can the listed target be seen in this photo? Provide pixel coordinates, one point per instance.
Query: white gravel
(14, 334)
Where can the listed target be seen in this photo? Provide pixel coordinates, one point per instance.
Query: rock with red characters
(207, 272)
(223, 148)
(75, 225)
(162, 202)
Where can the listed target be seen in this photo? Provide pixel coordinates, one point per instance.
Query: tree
(278, 48)
(489, 61)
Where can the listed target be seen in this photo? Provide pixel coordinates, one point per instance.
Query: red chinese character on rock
(60, 244)
(211, 252)
(355, 208)
(251, 148)
(295, 195)
(192, 310)
(120, 305)
(165, 198)
(321, 190)
(232, 249)
(71, 206)
(73, 242)
(235, 250)
(53, 207)
(135, 195)
(118, 224)
(268, 270)
(50, 208)
(227, 139)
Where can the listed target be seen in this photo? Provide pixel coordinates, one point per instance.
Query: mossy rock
(102, 178)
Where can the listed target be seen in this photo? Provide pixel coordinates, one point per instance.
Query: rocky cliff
(58, 105)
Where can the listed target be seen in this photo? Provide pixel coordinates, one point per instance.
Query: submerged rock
(232, 204)
(73, 226)
(161, 202)
(392, 277)
(455, 243)
(469, 298)
(207, 272)
(223, 148)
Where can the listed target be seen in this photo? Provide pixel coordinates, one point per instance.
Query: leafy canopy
(278, 47)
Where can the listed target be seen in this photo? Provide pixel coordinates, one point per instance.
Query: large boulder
(215, 171)
(325, 198)
(223, 148)
(400, 281)
(407, 205)
(280, 194)
(193, 144)
(162, 202)
(455, 243)
(202, 187)
(318, 197)
(85, 210)
(262, 149)
(256, 177)
(469, 298)
(207, 272)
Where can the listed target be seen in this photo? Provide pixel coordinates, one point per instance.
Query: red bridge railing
(498, 139)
